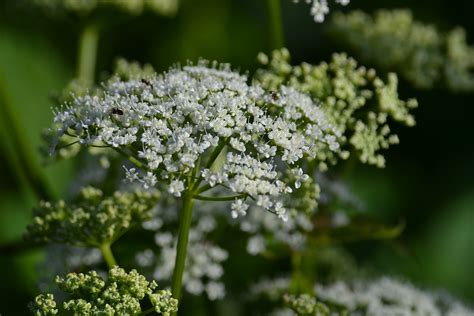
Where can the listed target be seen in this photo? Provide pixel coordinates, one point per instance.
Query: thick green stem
(22, 157)
(88, 42)
(108, 255)
(185, 218)
(275, 26)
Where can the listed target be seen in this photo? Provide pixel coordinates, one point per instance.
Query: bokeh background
(428, 181)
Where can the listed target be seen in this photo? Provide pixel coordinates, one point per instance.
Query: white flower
(215, 290)
(299, 177)
(176, 187)
(131, 174)
(387, 296)
(256, 245)
(320, 8)
(238, 208)
(149, 181)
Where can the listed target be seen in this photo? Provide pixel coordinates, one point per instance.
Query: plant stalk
(183, 237)
(88, 43)
(23, 158)
(275, 25)
(108, 255)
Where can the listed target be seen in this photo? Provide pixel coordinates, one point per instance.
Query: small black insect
(117, 111)
(274, 96)
(148, 83)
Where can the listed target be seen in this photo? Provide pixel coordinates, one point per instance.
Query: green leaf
(359, 229)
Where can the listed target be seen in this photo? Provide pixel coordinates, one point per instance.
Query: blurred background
(428, 181)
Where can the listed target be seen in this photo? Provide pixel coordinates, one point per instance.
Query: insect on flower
(117, 111)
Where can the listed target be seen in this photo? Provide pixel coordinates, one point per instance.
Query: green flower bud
(121, 294)
(93, 220)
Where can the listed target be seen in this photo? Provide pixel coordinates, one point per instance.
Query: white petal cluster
(263, 227)
(170, 124)
(387, 296)
(265, 230)
(320, 8)
(384, 296)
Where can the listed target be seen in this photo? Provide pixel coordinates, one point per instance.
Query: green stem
(275, 25)
(212, 158)
(185, 218)
(302, 280)
(219, 198)
(203, 188)
(134, 160)
(108, 255)
(22, 157)
(148, 311)
(295, 280)
(88, 42)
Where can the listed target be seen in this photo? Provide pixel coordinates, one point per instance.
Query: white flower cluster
(203, 268)
(320, 8)
(267, 232)
(390, 297)
(265, 229)
(385, 296)
(171, 125)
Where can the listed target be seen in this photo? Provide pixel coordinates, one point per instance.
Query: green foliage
(93, 220)
(355, 100)
(360, 228)
(121, 294)
(395, 41)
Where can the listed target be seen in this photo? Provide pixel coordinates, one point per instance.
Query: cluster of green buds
(121, 294)
(354, 99)
(306, 305)
(134, 7)
(93, 220)
(393, 40)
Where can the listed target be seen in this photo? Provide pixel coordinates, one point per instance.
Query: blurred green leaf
(30, 70)
(359, 229)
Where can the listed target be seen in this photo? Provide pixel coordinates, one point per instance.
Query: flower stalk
(23, 159)
(87, 53)
(275, 25)
(108, 255)
(183, 237)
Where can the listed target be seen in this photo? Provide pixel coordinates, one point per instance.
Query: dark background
(428, 181)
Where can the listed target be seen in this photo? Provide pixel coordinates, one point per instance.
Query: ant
(148, 83)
